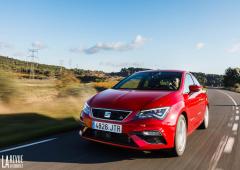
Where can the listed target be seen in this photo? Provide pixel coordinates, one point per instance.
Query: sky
(200, 36)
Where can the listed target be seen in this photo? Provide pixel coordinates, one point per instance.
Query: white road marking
(27, 145)
(230, 97)
(236, 108)
(237, 111)
(235, 127)
(216, 156)
(237, 118)
(229, 145)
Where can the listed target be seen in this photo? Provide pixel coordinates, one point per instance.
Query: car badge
(107, 114)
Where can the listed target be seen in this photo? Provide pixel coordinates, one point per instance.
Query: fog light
(151, 133)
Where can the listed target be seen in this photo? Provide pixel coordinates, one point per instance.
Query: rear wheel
(180, 136)
(205, 122)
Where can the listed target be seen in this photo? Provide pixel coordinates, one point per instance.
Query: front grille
(109, 114)
(116, 138)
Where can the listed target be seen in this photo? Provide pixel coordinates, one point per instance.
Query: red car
(148, 110)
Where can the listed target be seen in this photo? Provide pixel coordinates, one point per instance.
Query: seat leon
(149, 110)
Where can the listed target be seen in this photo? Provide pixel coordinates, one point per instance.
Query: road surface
(218, 147)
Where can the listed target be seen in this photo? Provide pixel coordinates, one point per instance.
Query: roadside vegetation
(8, 87)
(100, 86)
(31, 108)
(232, 79)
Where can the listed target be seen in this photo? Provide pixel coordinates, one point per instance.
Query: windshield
(151, 81)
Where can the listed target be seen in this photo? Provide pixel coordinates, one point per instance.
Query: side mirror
(195, 88)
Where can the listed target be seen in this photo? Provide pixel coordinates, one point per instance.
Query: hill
(23, 69)
(33, 70)
(28, 70)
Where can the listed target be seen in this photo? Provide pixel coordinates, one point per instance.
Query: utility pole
(61, 65)
(33, 56)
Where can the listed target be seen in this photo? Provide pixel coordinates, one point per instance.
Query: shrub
(237, 87)
(66, 79)
(232, 77)
(68, 85)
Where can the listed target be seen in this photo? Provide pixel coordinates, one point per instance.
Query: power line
(33, 56)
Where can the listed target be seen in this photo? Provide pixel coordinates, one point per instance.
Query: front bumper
(132, 134)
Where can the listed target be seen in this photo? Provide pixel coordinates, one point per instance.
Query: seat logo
(107, 114)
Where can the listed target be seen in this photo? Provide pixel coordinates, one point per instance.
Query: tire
(180, 136)
(205, 123)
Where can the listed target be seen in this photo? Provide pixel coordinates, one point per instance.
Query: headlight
(159, 113)
(86, 109)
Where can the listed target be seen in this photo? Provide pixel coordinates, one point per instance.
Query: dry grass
(39, 110)
(104, 85)
(43, 97)
(8, 87)
(43, 107)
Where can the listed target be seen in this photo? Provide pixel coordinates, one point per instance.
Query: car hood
(126, 99)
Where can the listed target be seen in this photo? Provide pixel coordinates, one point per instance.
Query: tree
(231, 77)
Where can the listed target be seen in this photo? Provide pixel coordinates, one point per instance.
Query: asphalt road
(218, 147)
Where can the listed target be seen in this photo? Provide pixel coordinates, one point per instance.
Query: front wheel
(180, 136)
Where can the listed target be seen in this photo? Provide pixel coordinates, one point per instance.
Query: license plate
(109, 127)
